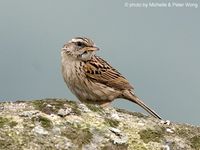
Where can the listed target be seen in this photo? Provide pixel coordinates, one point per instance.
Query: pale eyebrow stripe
(83, 39)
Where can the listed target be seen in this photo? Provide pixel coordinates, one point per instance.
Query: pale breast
(84, 88)
(69, 73)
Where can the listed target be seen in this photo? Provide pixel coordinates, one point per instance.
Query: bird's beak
(63, 48)
(93, 48)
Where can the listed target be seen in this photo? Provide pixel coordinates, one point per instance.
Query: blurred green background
(156, 49)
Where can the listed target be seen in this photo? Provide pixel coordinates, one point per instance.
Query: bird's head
(80, 48)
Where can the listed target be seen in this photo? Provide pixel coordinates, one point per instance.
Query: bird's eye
(85, 52)
(79, 44)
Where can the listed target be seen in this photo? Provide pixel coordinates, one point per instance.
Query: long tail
(135, 99)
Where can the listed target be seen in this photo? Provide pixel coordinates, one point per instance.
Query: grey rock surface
(59, 124)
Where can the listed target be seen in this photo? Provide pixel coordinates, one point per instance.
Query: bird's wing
(100, 71)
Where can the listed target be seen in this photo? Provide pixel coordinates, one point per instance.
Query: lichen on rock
(61, 124)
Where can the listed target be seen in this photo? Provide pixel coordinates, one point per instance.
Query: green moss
(95, 108)
(8, 140)
(6, 121)
(12, 124)
(111, 122)
(73, 105)
(51, 106)
(45, 122)
(20, 101)
(140, 147)
(39, 105)
(183, 131)
(5, 142)
(11, 140)
(48, 106)
(195, 142)
(3, 121)
(151, 135)
(111, 146)
(139, 115)
(137, 146)
(77, 134)
(190, 133)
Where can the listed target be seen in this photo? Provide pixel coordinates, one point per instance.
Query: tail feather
(136, 100)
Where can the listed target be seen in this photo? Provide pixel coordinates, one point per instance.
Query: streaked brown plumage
(91, 78)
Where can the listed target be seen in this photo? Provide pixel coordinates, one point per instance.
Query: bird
(93, 80)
